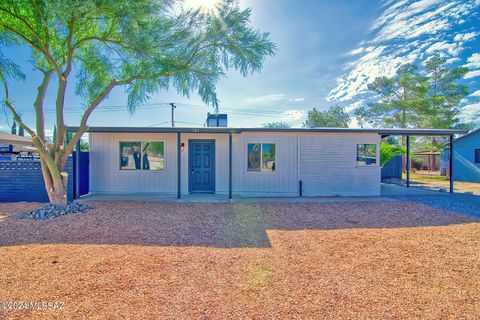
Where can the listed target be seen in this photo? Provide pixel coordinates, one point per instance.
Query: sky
(328, 52)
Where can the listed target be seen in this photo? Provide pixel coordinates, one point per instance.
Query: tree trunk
(56, 187)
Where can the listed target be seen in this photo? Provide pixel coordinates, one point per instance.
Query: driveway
(462, 203)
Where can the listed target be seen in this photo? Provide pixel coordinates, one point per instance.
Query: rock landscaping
(50, 211)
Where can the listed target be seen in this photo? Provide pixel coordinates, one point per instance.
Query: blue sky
(328, 52)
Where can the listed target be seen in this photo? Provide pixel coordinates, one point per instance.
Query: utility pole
(173, 117)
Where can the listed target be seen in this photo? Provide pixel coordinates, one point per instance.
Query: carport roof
(384, 132)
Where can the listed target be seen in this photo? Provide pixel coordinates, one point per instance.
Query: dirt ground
(127, 260)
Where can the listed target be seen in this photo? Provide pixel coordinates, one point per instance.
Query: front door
(202, 166)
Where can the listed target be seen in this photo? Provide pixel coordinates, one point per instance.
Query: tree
(335, 117)
(145, 46)
(401, 100)
(279, 124)
(444, 94)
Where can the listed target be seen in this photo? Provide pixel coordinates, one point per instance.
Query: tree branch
(35, 34)
(83, 123)
(71, 51)
(38, 104)
(36, 47)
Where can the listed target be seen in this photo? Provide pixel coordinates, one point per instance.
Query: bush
(388, 151)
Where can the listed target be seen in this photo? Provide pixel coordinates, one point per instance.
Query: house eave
(381, 131)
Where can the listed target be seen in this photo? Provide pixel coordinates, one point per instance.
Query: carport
(407, 133)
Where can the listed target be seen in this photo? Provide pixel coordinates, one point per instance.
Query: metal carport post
(450, 160)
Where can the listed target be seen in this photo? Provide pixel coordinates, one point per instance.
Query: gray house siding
(465, 168)
(283, 181)
(328, 165)
(105, 173)
(325, 162)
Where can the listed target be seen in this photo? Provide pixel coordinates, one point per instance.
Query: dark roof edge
(471, 133)
(384, 132)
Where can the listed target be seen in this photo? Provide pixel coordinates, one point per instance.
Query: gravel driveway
(463, 203)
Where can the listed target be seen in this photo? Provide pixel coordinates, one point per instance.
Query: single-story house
(13, 147)
(467, 157)
(239, 161)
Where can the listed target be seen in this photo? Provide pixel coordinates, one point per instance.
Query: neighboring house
(13, 147)
(466, 165)
(239, 161)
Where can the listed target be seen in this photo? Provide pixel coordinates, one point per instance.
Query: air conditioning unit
(216, 120)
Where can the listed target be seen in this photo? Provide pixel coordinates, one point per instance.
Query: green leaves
(417, 98)
(335, 117)
(8, 69)
(148, 45)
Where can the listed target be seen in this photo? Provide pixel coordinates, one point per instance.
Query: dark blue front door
(202, 166)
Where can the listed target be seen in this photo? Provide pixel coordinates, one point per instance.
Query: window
(261, 157)
(147, 155)
(477, 155)
(366, 154)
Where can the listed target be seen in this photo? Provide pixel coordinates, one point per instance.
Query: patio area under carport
(407, 133)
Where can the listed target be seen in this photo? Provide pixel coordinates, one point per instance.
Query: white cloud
(452, 60)
(354, 105)
(297, 100)
(465, 36)
(472, 74)
(357, 51)
(293, 115)
(473, 61)
(353, 123)
(471, 113)
(264, 100)
(452, 49)
(475, 94)
(408, 31)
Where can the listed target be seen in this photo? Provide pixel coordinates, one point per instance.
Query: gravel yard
(216, 260)
(462, 203)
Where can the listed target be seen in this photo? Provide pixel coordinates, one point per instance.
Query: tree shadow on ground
(222, 225)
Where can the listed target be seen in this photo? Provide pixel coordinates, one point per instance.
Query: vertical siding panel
(328, 165)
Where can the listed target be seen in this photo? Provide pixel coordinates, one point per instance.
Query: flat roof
(383, 132)
(8, 138)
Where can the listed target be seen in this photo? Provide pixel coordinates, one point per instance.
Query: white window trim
(261, 157)
(119, 167)
(377, 156)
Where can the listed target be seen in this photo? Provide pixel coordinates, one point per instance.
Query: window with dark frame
(261, 157)
(477, 155)
(145, 155)
(366, 154)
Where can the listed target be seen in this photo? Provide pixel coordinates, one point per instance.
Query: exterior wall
(328, 165)
(464, 166)
(283, 181)
(325, 162)
(105, 173)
